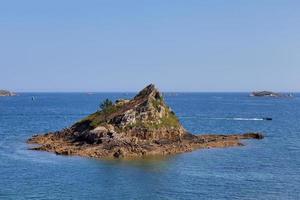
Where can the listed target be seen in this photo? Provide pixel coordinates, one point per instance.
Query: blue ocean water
(263, 169)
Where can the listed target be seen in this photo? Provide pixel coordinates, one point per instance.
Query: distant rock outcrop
(268, 94)
(6, 93)
(139, 127)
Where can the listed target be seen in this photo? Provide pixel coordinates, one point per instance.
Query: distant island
(142, 126)
(269, 94)
(6, 93)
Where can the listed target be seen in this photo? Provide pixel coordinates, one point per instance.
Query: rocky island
(6, 93)
(143, 126)
(266, 94)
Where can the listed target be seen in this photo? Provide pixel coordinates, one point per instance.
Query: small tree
(106, 105)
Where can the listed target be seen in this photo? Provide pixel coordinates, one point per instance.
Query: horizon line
(68, 91)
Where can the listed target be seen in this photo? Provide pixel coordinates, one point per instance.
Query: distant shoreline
(116, 92)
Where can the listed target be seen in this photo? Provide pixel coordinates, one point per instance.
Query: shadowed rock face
(142, 126)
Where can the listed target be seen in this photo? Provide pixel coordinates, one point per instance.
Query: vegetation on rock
(106, 105)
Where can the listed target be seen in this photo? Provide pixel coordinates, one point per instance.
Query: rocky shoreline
(61, 145)
(6, 93)
(143, 126)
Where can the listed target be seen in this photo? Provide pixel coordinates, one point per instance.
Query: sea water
(262, 169)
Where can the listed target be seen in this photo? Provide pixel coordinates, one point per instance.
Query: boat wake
(234, 118)
(246, 119)
(238, 119)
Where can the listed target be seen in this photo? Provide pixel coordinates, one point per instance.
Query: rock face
(139, 127)
(6, 93)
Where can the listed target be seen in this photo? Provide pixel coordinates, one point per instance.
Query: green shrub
(106, 105)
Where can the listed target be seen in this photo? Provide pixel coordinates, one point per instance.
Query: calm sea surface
(265, 169)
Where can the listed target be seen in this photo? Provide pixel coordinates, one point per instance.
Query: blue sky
(187, 45)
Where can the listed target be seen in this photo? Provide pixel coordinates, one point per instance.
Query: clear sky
(186, 45)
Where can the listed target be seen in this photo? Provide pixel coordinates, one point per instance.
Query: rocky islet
(142, 126)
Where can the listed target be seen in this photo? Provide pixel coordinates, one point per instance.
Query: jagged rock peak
(147, 109)
(149, 91)
(145, 116)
